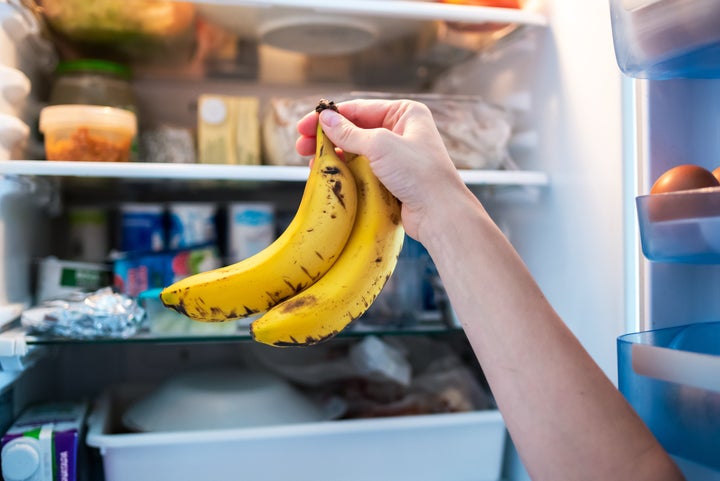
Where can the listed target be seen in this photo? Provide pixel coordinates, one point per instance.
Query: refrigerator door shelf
(670, 376)
(661, 39)
(681, 226)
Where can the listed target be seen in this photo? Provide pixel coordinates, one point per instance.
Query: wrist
(447, 217)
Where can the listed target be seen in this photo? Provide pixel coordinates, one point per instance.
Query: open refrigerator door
(668, 369)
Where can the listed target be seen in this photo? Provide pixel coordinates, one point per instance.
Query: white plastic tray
(448, 447)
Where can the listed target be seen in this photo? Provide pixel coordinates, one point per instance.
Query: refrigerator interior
(562, 83)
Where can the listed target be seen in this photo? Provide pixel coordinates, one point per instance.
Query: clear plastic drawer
(681, 226)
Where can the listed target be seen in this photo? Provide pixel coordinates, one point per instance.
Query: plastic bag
(377, 377)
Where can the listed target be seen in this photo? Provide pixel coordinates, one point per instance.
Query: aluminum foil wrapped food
(476, 132)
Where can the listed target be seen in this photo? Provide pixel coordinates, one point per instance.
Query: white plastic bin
(447, 447)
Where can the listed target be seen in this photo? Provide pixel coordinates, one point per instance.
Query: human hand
(404, 147)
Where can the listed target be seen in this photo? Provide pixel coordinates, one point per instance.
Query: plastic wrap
(475, 132)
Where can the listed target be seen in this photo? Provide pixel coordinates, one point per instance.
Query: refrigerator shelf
(681, 227)
(241, 334)
(670, 376)
(398, 9)
(253, 173)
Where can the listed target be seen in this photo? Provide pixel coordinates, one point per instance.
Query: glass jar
(93, 82)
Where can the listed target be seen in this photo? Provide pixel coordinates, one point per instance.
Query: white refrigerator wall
(574, 237)
(578, 238)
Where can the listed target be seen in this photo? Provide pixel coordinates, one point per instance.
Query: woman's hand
(404, 147)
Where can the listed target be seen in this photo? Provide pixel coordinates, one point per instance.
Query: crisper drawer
(448, 447)
(672, 378)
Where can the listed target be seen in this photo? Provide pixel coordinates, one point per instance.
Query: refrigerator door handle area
(681, 367)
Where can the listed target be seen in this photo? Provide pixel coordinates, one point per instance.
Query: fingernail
(329, 117)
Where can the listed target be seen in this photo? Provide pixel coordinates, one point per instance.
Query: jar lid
(85, 65)
(58, 116)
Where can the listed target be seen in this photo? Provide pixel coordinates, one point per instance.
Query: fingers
(351, 129)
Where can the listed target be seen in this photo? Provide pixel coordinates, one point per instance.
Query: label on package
(251, 229)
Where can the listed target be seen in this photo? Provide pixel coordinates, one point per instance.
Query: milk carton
(43, 443)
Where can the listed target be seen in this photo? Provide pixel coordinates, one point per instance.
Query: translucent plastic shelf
(660, 39)
(681, 226)
(670, 376)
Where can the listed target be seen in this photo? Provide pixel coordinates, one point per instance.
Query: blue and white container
(191, 224)
(142, 227)
(251, 228)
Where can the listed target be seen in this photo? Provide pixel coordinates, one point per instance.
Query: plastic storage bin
(660, 39)
(681, 226)
(671, 377)
(448, 447)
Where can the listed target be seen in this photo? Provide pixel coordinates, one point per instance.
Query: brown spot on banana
(298, 302)
(319, 255)
(309, 341)
(330, 170)
(337, 190)
(307, 273)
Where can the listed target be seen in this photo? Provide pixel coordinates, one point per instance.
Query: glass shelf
(242, 334)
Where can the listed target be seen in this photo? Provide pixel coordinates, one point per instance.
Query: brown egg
(680, 178)
(716, 173)
(684, 177)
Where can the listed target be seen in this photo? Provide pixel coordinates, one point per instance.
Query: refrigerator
(590, 135)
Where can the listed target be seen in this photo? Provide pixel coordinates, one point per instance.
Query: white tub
(447, 447)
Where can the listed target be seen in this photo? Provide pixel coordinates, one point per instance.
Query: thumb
(342, 132)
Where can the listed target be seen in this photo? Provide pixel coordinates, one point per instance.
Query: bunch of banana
(351, 285)
(323, 272)
(303, 253)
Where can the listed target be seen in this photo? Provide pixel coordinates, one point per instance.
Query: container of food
(87, 133)
(93, 82)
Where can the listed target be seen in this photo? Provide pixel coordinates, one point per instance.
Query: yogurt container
(142, 227)
(191, 224)
(251, 228)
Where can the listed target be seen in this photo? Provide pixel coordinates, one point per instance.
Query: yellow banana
(295, 260)
(351, 285)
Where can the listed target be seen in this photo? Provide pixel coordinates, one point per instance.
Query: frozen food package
(475, 132)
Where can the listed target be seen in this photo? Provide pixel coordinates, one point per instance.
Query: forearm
(566, 418)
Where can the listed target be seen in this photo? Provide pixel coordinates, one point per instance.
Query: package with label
(191, 224)
(59, 278)
(228, 130)
(44, 443)
(88, 234)
(135, 273)
(142, 227)
(251, 228)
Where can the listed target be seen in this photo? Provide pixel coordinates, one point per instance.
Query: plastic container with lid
(87, 133)
(93, 82)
